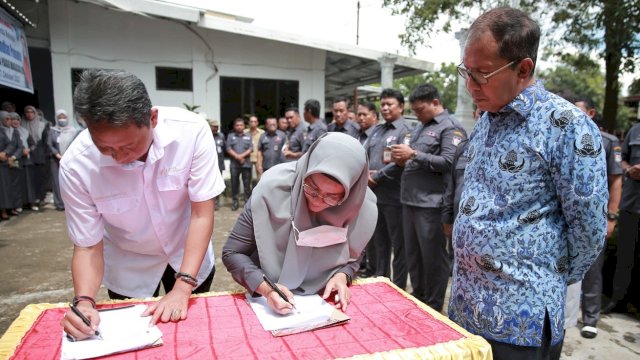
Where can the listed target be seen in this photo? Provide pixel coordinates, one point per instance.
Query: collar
(524, 102)
(162, 136)
(441, 117)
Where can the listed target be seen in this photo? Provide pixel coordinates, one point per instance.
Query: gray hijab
(8, 129)
(279, 198)
(35, 126)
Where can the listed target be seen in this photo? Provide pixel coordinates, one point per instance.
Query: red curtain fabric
(225, 327)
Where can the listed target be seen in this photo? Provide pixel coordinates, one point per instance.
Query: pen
(83, 318)
(273, 286)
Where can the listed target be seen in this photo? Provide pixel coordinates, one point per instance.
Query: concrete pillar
(387, 64)
(464, 105)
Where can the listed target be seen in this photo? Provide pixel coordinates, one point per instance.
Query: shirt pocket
(427, 144)
(117, 206)
(173, 182)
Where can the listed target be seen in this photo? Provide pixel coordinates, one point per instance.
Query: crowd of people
(30, 151)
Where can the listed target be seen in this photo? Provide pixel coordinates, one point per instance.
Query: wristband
(187, 278)
(77, 299)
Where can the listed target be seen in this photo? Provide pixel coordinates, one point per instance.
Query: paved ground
(35, 255)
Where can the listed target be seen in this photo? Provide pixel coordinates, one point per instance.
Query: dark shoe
(589, 332)
(60, 208)
(235, 205)
(364, 274)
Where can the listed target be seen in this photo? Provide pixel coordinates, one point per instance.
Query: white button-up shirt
(141, 210)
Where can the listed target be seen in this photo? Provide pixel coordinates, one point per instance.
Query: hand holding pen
(281, 300)
(81, 322)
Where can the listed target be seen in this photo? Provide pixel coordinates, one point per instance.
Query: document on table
(122, 330)
(313, 311)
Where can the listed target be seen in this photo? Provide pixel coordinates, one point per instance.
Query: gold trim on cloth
(470, 347)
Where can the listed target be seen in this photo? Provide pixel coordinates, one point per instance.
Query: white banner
(15, 68)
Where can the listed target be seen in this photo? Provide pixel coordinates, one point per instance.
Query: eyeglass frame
(468, 74)
(315, 194)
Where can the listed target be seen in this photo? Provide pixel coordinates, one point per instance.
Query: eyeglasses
(478, 77)
(329, 199)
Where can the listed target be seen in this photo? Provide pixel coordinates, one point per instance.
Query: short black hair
(237, 120)
(312, 106)
(338, 99)
(424, 92)
(292, 108)
(369, 105)
(115, 97)
(392, 93)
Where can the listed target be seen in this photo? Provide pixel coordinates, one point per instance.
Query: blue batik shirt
(532, 217)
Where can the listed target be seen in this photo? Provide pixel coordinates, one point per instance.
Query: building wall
(85, 36)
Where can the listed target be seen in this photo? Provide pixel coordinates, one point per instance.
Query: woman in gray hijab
(10, 149)
(306, 224)
(39, 130)
(60, 137)
(27, 176)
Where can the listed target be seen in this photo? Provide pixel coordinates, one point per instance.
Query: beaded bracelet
(187, 278)
(77, 299)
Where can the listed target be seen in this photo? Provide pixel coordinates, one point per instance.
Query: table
(386, 323)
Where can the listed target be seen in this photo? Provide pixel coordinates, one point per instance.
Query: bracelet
(187, 278)
(77, 299)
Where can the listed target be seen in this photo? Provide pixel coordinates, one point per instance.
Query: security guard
(427, 157)
(218, 138)
(270, 146)
(296, 135)
(341, 122)
(384, 180)
(317, 125)
(239, 147)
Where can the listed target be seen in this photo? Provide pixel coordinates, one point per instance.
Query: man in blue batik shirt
(533, 212)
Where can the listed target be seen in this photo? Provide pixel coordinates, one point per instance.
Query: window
(176, 79)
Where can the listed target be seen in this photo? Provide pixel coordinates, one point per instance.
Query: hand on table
(338, 284)
(75, 327)
(172, 307)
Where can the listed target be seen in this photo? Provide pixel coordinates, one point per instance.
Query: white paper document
(121, 330)
(313, 310)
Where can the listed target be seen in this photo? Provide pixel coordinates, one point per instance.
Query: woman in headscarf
(305, 225)
(60, 137)
(39, 131)
(27, 176)
(10, 149)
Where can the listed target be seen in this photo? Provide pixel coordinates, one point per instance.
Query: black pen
(84, 319)
(273, 286)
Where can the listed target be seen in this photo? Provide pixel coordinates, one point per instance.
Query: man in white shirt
(138, 186)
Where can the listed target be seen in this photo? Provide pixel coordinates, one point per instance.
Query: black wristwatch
(612, 216)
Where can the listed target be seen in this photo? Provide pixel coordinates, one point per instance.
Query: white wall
(85, 35)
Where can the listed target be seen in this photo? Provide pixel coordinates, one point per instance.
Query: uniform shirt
(218, 138)
(239, 143)
(255, 138)
(422, 182)
(532, 217)
(295, 139)
(613, 154)
(387, 175)
(630, 200)
(141, 210)
(454, 183)
(349, 128)
(271, 147)
(363, 136)
(314, 131)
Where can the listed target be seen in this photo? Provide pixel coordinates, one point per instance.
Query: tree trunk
(613, 60)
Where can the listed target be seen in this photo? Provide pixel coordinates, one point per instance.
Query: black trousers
(592, 292)
(235, 182)
(167, 281)
(627, 240)
(504, 351)
(388, 236)
(427, 256)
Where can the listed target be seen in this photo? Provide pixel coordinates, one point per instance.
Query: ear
(436, 102)
(591, 113)
(525, 68)
(154, 117)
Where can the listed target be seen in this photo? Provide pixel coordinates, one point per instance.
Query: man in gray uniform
(367, 119)
(341, 122)
(426, 158)
(384, 180)
(628, 220)
(218, 138)
(239, 147)
(295, 137)
(270, 146)
(317, 125)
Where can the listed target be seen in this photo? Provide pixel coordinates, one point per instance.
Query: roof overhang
(16, 13)
(347, 66)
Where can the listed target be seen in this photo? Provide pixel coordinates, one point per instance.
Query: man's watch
(612, 216)
(414, 154)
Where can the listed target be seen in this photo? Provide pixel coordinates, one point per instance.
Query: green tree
(445, 80)
(608, 27)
